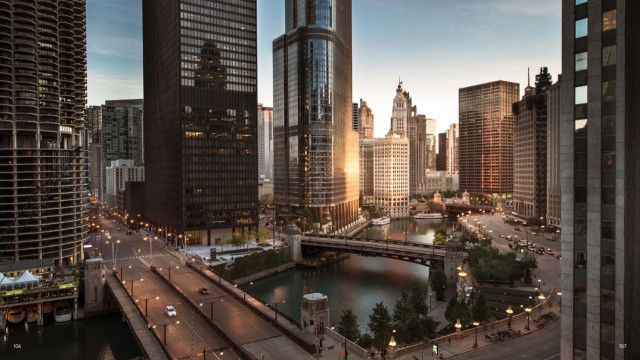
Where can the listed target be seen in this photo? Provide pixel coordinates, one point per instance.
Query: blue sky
(434, 46)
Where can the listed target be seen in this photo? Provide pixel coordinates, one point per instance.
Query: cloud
(117, 46)
(104, 86)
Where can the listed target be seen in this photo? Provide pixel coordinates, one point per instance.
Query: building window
(581, 61)
(609, 20)
(581, 28)
(609, 55)
(609, 90)
(581, 95)
(578, 2)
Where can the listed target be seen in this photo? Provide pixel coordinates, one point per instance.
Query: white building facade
(265, 142)
(391, 174)
(118, 174)
(453, 135)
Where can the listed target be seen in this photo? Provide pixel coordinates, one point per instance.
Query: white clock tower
(401, 112)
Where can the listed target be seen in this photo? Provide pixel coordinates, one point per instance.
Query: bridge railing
(310, 236)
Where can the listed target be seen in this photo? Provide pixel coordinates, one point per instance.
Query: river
(357, 283)
(100, 338)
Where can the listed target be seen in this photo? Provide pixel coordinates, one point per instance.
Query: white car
(171, 311)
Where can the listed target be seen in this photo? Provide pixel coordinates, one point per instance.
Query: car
(548, 251)
(171, 312)
(204, 291)
(517, 228)
(540, 251)
(502, 235)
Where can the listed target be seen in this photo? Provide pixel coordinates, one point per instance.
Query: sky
(434, 46)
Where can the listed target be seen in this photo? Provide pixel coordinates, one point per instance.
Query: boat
(16, 315)
(62, 312)
(381, 221)
(32, 314)
(427, 216)
(47, 309)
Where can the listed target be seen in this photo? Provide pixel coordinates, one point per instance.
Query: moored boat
(16, 315)
(32, 314)
(62, 312)
(381, 221)
(427, 216)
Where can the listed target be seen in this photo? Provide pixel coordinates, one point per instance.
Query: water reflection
(421, 231)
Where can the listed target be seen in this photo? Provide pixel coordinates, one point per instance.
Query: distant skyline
(433, 47)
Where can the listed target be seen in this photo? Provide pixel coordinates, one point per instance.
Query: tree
(528, 263)
(237, 240)
(481, 310)
(439, 283)
(348, 325)
(263, 235)
(402, 311)
(365, 341)
(380, 325)
(410, 317)
(434, 206)
(418, 301)
(451, 313)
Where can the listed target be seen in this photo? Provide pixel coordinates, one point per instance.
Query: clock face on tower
(400, 113)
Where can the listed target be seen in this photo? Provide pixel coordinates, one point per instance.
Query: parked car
(204, 291)
(171, 311)
(540, 251)
(549, 251)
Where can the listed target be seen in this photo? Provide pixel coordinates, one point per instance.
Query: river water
(357, 283)
(100, 338)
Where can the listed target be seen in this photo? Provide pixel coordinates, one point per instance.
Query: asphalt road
(538, 345)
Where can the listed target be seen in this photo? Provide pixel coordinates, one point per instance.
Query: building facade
(201, 147)
(355, 120)
(94, 141)
(441, 158)
(265, 143)
(530, 150)
(600, 164)
(441, 181)
(366, 120)
(453, 140)
(553, 154)
(118, 173)
(43, 151)
(430, 143)
(366, 170)
(314, 142)
(391, 174)
(486, 137)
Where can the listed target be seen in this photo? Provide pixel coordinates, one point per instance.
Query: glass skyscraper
(201, 152)
(600, 179)
(316, 150)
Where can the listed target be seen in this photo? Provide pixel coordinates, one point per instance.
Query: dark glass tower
(201, 162)
(316, 150)
(43, 170)
(600, 179)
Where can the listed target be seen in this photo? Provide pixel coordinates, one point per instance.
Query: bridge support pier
(292, 239)
(453, 258)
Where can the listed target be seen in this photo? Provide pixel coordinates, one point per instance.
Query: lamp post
(121, 272)
(165, 329)
(213, 351)
(392, 343)
(276, 305)
(509, 313)
(528, 310)
(458, 326)
(146, 303)
(169, 268)
(476, 324)
(132, 280)
(211, 311)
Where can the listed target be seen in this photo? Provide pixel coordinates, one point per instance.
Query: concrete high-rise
(43, 151)
(366, 120)
(553, 154)
(265, 142)
(530, 152)
(600, 179)
(201, 146)
(94, 142)
(486, 137)
(315, 146)
(366, 170)
(452, 146)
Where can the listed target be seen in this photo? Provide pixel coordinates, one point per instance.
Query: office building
(441, 158)
(265, 143)
(391, 174)
(366, 170)
(486, 137)
(453, 140)
(430, 144)
(355, 120)
(441, 181)
(118, 173)
(315, 146)
(43, 149)
(201, 146)
(94, 142)
(553, 155)
(366, 120)
(530, 152)
(600, 164)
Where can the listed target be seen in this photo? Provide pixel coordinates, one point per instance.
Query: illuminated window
(609, 20)
(581, 95)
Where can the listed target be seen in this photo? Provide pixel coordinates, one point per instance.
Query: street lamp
(121, 271)
(276, 305)
(475, 324)
(528, 310)
(213, 351)
(212, 302)
(392, 343)
(509, 313)
(169, 268)
(132, 280)
(165, 329)
(146, 302)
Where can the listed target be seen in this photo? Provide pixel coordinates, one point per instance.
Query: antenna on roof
(528, 78)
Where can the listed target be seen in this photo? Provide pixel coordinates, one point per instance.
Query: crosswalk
(135, 257)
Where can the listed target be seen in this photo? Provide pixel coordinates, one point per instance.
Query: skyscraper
(366, 120)
(94, 142)
(441, 158)
(355, 120)
(314, 143)
(554, 106)
(600, 179)
(201, 151)
(530, 152)
(366, 170)
(452, 146)
(391, 174)
(486, 137)
(265, 142)
(43, 152)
